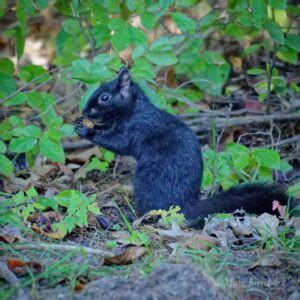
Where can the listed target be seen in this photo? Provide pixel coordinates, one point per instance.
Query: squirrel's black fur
(169, 164)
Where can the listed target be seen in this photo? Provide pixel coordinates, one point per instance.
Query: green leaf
(34, 99)
(42, 3)
(93, 208)
(63, 7)
(95, 163)
(68, 130)
(135, 5)
(22, 144)
(162, 59)
(20, 42)
(8, 84)
(148, 20)
(285, 166)
(52, 150)
(15, 120)
(121, 39)
(19, 99)
(293, 41)
(235, 30)
(267, 158)
(279, 4)
(287, 54)
(252, 48)
(32, 192)
(137, 36)
(240, 156)
(109, 156)
(255, 71)
(7, 66)
(2, 147)
(275, 31)
(142, 69)
(184, 23)
(31, 72)
(259, 12)
(208, 178)
(138, 51)
(32, 131)
(117, 24)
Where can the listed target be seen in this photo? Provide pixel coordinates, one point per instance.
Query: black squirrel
(169, 161)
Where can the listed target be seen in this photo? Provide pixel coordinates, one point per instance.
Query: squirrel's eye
(104, 97)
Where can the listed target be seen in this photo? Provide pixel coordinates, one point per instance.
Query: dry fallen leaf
(269, 260)
(279, 207)
(20, 267)
(9, 234)
(58, 235)
(128, 256)
(174, 232)
(266, 225)
(200, 242)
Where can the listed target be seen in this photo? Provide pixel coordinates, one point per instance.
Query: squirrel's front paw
(82, 130)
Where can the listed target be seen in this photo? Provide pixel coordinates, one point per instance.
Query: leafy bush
(238, 163)
(103, 30)
(19, 207)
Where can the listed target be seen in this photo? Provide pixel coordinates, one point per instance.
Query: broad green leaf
(280, 4)
(256, 71)
(117, 24)
(259, 12)
(42, 3)
(52, 150)
(135, 5)
(72, 26)
(31, 72)
(162, 59)
(2, 147)
(184, 23)
(6, 166)
(285, 166)
(252, 48)
(18, 99)
(68, 130)
(109, 156)
(32, 192)
(148, 20)
(265, 174)
(64, 7)
(95, 163)
(293, 41)
(138, 51)
(235, 30)
(121, 39)
(275, 31)
(137, 36)
(267, 158)
(7, 66)
(22, 144)
(142, 69)
(208, 178)
(287, 54)
(5, 130)
(8, 84)
(34, 99)
(32, 131)
(15, 120)
(240, 156)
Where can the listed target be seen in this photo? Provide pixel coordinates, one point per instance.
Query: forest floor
(227, 259)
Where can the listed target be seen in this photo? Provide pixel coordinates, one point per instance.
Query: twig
(27, 85)
(77, 144)
(240, 121)
(60, 247)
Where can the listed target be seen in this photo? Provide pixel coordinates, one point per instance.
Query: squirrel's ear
(124, 82)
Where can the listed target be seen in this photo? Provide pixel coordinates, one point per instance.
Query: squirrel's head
(112, 98)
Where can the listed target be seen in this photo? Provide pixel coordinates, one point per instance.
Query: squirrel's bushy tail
(256, 198)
